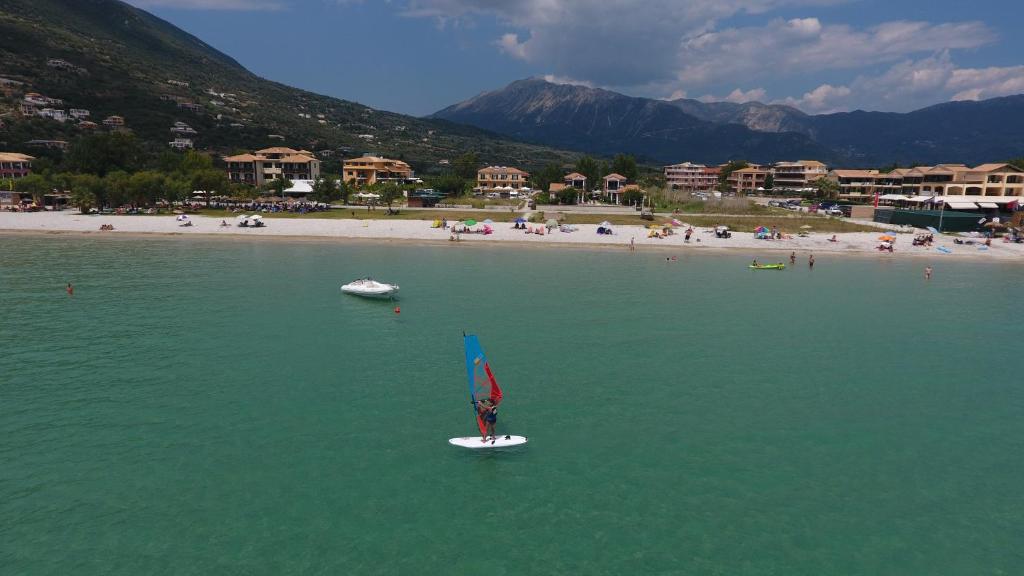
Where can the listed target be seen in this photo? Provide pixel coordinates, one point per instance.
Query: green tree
(626, 165)
(631, 197)
(116, 189)
(727, 170)
(450, 184)
(592, 169)
(465, 166)
(243, 191)
(551, 173)
(146, 187)
(389, 192)
(277, 186)
(326, 190)
(102, 153)
(86, 191)
(38, 185)
(825, 189)
(652, 180)
(769, 181)
(211, 181)
(176, 189)
(192, 161)
(567, 196)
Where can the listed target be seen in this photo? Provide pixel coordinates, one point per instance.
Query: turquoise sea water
(220, 408)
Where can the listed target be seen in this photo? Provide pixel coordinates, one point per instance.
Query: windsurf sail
(482, 384)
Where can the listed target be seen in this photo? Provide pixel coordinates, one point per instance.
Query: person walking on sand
(927, 272)
(792, 258)
(70, 289)
(810, 261)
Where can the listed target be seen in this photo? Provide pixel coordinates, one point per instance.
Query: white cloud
(510, 44)
(739, 96)
(566, 80)
(211, 4)
(824, 98)
(802, 45)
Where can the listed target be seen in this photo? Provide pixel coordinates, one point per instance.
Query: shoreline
(419, 232)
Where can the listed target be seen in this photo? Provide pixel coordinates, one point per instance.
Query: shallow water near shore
(209, 407)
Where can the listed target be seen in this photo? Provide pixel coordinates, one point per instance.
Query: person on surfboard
(489, 414)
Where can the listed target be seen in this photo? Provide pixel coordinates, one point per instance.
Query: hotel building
(271, 164)
(692, 177)
(748, 180)
(798, 175)
(14, 165)
(368, 170)
(493, 177)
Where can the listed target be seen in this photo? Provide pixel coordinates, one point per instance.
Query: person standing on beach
(792, 258)
(810, 261)
(927, 272)
(70, 289)
(632, 245)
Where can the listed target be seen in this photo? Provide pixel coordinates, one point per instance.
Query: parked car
(833, 211)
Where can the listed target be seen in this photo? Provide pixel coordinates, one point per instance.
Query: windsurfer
(489, 414)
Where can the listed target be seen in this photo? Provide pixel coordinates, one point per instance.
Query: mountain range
(666, 131)
(111, 58)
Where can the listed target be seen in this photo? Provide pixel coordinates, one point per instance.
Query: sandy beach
(420, 231)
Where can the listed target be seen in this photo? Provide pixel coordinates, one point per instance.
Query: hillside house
(51, 144)
(181, 144)
(78, 113)
(53, 114)
(113, 121)
(182, 128)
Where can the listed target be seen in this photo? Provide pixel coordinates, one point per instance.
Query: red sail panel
(495, 389)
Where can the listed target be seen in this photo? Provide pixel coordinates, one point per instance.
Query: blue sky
(417, 56)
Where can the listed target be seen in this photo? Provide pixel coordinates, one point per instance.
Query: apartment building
(271, 164)
(992, 179)
(748, 180)
(368, 170)
(854, 183)
(692, 177)
(493, 177)
(798, 175)
(14, 165)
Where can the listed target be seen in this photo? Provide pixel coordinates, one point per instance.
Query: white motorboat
(370, 288)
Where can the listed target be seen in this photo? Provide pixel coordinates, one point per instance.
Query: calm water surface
(220, 408)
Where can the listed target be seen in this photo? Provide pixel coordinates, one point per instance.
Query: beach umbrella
(760, 229)
(182, 218)
(654, 226)
(488, 228)
(469, 222)
(243, 217)
(256, 217)
(552, 223)
(676, 222)
(488, 221)
(605, 224)
(886, 238)
(932, 229)
(520, 220)
(806, 227)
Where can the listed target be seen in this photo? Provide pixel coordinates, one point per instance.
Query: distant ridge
(602, 121)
